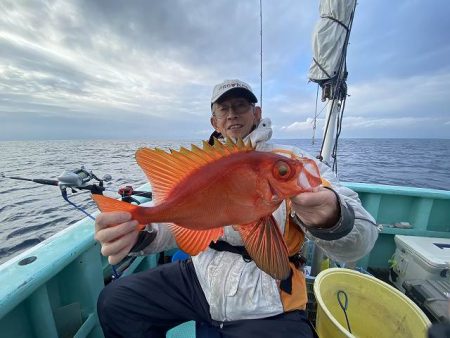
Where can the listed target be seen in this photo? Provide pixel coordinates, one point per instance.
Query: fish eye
(282, 170)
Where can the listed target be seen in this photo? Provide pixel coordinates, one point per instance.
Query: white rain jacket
(236, 289)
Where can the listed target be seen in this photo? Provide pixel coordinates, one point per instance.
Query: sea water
(30, 213)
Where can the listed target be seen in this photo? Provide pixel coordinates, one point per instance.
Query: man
(221, 286)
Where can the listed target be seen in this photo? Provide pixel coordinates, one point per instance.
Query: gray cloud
(399, 39)
(149, 66)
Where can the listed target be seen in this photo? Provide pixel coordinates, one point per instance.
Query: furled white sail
(328, 69)
(329, 38)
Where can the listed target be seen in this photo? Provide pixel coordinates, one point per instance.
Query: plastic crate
(425, 258)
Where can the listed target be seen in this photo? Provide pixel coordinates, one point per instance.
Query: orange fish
(199, 191)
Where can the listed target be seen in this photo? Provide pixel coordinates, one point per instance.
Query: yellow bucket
(374, 308)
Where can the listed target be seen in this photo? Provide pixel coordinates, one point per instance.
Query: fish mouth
(275, 198)
(303, 182)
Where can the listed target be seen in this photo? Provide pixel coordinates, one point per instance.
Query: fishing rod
(69, 178)
(74, 180)
(78, 179)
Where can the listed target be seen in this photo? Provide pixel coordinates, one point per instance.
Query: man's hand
(318, 208)
(117, 234)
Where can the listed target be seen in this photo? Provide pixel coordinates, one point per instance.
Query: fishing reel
(73, 179)
(126, 193)
(79, 178)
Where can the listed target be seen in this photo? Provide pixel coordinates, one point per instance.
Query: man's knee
(108, 301)
(112, 312)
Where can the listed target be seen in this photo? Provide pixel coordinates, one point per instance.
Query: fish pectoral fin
(325, 183)
(265, 245)
(108, 204)
(194, 241)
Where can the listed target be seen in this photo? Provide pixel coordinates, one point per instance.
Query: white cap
(229, 86)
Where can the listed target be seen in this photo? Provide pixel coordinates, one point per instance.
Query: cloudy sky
(145, 69)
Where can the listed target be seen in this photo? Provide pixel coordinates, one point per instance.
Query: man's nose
(232, 113)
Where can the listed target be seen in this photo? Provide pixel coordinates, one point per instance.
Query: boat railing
(51, 289)
(400, 210)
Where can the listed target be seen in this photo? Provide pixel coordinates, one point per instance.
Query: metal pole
(330, 130)
(317, 257)
(327, 150)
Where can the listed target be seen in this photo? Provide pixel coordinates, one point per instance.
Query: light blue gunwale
(52, 255)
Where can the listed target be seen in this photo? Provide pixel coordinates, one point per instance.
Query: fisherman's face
(235, 117)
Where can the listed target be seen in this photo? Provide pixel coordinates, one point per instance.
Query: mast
(329, 69)
(329, 133)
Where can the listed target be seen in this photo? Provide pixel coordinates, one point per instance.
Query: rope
(338, 133)
(315, 115)
(320, 157)
(321, 68)
(344, 306)
(337, 21)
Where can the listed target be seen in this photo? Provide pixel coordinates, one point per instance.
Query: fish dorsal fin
(165, 170)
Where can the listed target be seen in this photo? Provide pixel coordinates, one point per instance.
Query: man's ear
(214, 123)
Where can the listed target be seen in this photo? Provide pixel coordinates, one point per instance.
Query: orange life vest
(294, 238)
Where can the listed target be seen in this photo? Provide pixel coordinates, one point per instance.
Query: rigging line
(341, 88)
(315, 115)
(323, 108)
(326, 129)
(342, 61)
(338, 133)
(342, 73)
(336, 140)
(335, 145)
(321, 68)
(339, 121)
(336, 20)
(261, 51)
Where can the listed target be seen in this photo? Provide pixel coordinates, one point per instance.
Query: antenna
(261, 52)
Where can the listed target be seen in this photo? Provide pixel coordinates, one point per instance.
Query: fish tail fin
(265, 245)
(108, 204)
